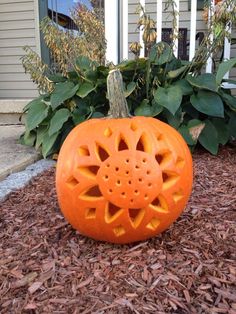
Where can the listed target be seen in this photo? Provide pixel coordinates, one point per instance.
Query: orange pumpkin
(123, 179)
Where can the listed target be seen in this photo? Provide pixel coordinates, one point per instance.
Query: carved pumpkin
(123, 179)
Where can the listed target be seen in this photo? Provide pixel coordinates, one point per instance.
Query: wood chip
(48, 267)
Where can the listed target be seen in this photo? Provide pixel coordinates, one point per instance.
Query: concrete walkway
(14, 156)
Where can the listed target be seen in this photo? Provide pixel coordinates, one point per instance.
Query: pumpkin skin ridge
(103, 232)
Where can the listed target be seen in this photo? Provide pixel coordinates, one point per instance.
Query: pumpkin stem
(116, 96)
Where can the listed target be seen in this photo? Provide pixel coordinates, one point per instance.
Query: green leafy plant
(196, 105)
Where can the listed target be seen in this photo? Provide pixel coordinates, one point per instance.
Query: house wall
(184, 22)
(18, 27)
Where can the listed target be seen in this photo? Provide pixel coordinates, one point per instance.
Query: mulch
(47, 267)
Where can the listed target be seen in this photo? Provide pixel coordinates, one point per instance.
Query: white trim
(228, 85)
(176, 30)
(142, 51)
(125, 28)
(37, 30)
(159, 20)
(210, 61)
(111, 30)
(193, 27)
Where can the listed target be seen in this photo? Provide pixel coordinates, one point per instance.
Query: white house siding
(18, 27)
(184, 22)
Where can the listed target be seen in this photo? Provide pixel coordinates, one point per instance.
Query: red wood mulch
(47, 267)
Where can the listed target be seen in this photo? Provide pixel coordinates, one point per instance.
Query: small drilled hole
(131, 201)
(127, 160)
(144, 160)
(148, 171)
(123, 194)
(149, 185)
(127, 172)
(110, 191)
(136, 192)
(107, 165)
(117, 168)
(146, 196)
(118, 182)
(129, 182)
(106, 177)
(137, 167)
(140, 179)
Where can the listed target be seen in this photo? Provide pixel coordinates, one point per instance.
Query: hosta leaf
(147, 110)
(224, 68)
(209, 138)
(184, 131)
(208, 103)
(232, 124)
(144, 109)
(203, 81)
(169, 97)
(34, 102)
(222, 129)
(48, 142)
(62, 92)
(41, 131)
(176, 73)
(83, 63)
(130, 88)
(161, 53)
(36, 114)
(186, 88)
(57, 121)
(230, 100)
(195, 128)
(85, 89)
(56, 78)
(28, 138)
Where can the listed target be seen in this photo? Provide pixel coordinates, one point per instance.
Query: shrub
(158, 86)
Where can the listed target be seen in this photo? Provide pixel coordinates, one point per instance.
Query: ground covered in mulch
(47, 267)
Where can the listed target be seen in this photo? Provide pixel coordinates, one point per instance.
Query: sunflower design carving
(123, 184)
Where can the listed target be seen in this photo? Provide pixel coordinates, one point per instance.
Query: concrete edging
(20, 179)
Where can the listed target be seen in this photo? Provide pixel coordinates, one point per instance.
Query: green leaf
(175, 73)
(186, 88)
(83, 63)
(97, 115)
(161, 53)
(222, 129)
(195, 127)
(144, 109)
(209, 138)
(184, 131)
(57, 121)
(232, 124)
(28, 138)
(230, 100)
(41, 131)
(208, 103)
(174, 120)
(85, 89)
(48, 142)
(170, 97)
(62, 92)
(224, 68)
(33, 102)
(147, 110)
(36, 114)
(57, 78)
(129, 89)
(77, 118)
(203, 81)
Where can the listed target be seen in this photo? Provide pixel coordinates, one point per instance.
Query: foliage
(197, 105)
(66, 46)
